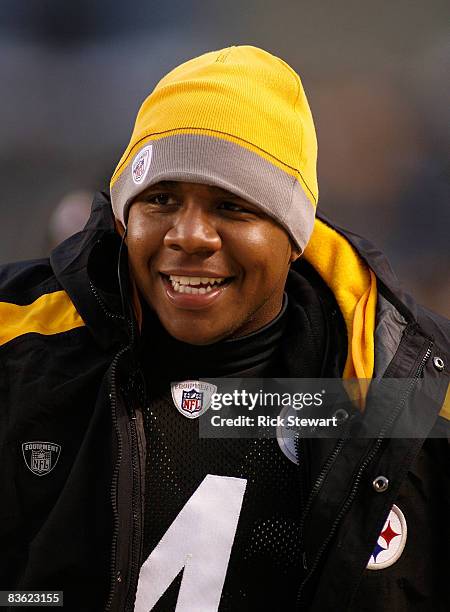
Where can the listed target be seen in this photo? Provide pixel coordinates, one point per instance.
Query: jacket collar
(76, 263)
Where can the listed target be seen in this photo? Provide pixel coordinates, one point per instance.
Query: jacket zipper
(113, 399)
(358, 477)
(301, 455)
(316, 488)
(103, 306)
(114, 575)
(114, 578)
(135, 551)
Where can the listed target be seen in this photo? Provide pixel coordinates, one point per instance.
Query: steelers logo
(391, 541)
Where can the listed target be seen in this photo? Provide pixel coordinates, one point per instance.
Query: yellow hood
(355, 288)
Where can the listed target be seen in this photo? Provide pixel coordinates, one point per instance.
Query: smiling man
(207, 260)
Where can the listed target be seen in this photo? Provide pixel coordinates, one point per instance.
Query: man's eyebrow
(172, 185)
(226, 194)
(164, 185)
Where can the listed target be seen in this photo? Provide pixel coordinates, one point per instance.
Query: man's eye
(159, 199)
(232, 207)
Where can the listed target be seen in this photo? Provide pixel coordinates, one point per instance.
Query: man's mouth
(196, 285)
(193, 292)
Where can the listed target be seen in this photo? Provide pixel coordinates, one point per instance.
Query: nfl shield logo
(141, 164)
(192, 397)
(40, 457)
(139, 168)
(192, 401)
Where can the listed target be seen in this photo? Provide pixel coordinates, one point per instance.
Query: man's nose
(193, 231)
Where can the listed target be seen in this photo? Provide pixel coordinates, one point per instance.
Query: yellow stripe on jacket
(52, 313)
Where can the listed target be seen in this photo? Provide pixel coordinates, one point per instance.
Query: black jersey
(265, 563)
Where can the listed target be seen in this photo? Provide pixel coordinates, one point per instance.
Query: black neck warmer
(249, 355)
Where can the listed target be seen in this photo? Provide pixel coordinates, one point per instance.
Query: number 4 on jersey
(199, 540)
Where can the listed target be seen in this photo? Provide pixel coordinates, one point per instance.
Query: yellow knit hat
(237, 119)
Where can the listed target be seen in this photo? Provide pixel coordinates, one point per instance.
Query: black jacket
(70, 378)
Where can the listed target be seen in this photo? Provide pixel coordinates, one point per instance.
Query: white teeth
(183, 284)
(187, 289)
(194, 290)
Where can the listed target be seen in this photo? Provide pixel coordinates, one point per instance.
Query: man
(109, 494)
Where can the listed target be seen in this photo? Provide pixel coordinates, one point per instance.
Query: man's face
(211, 265)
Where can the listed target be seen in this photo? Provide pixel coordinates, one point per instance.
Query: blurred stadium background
(73, 75)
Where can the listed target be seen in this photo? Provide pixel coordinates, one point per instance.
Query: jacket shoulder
(436, 326)
(32, 301)
(432, 324)
(23, 282)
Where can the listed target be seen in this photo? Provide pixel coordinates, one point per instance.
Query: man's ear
(120, 229)
(295, 252)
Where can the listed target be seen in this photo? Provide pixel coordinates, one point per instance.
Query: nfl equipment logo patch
(391, 541)
(192, 401)
(40, 457)
(192, 397)
(141, 164)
